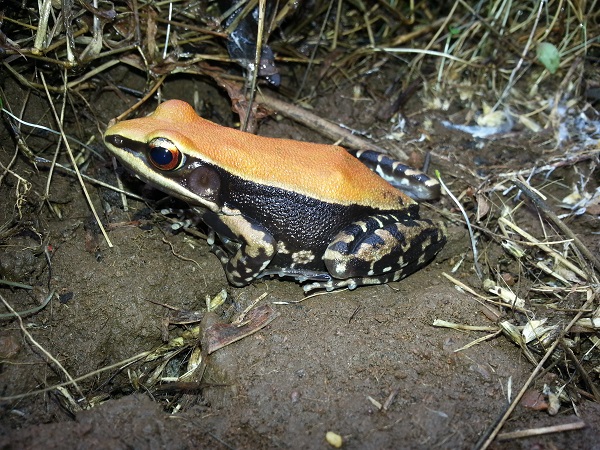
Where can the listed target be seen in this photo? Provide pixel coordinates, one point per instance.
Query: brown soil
(320, 366)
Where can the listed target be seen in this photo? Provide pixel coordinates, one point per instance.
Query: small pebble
(334, 439)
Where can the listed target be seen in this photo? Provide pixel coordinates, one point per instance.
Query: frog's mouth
(132, 155)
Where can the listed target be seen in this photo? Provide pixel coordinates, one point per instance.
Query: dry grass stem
(541, 431)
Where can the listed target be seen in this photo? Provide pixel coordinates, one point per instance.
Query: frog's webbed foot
(351, 283)
(314, 279)
(300, 275)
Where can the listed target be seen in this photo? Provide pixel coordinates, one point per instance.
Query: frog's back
(325, 172)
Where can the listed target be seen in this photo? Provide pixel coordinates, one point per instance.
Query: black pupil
(161, 156)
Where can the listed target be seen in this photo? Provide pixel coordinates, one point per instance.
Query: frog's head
(159, 150)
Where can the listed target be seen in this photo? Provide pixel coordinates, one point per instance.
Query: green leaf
(548, 55)
(454, 30)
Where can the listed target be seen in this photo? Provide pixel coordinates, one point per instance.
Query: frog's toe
(330, 285)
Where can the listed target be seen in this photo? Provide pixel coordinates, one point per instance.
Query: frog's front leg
(379, 249)
(247, 248)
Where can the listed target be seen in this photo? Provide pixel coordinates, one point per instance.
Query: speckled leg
(379, 249)
(245, 258)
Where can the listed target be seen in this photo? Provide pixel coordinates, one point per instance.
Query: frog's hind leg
(380, 249)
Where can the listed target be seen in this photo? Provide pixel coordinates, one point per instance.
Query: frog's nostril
(114, 139)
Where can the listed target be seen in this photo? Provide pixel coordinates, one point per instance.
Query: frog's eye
(164, 154)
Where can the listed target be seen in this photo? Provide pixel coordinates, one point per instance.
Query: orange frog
(280, 207)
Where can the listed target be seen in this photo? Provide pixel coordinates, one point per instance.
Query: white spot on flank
(340, 268)
(303, 257)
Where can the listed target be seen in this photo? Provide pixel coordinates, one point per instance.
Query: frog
(313, 213)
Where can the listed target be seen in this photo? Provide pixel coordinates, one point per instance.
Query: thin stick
(143, 99)
(323, 126)
(39, 159)
(542, 430)
(468, 222)
(262, 5)
(15, 284)
(40, 36)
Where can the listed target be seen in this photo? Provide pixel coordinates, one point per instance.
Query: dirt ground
(366, 364)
